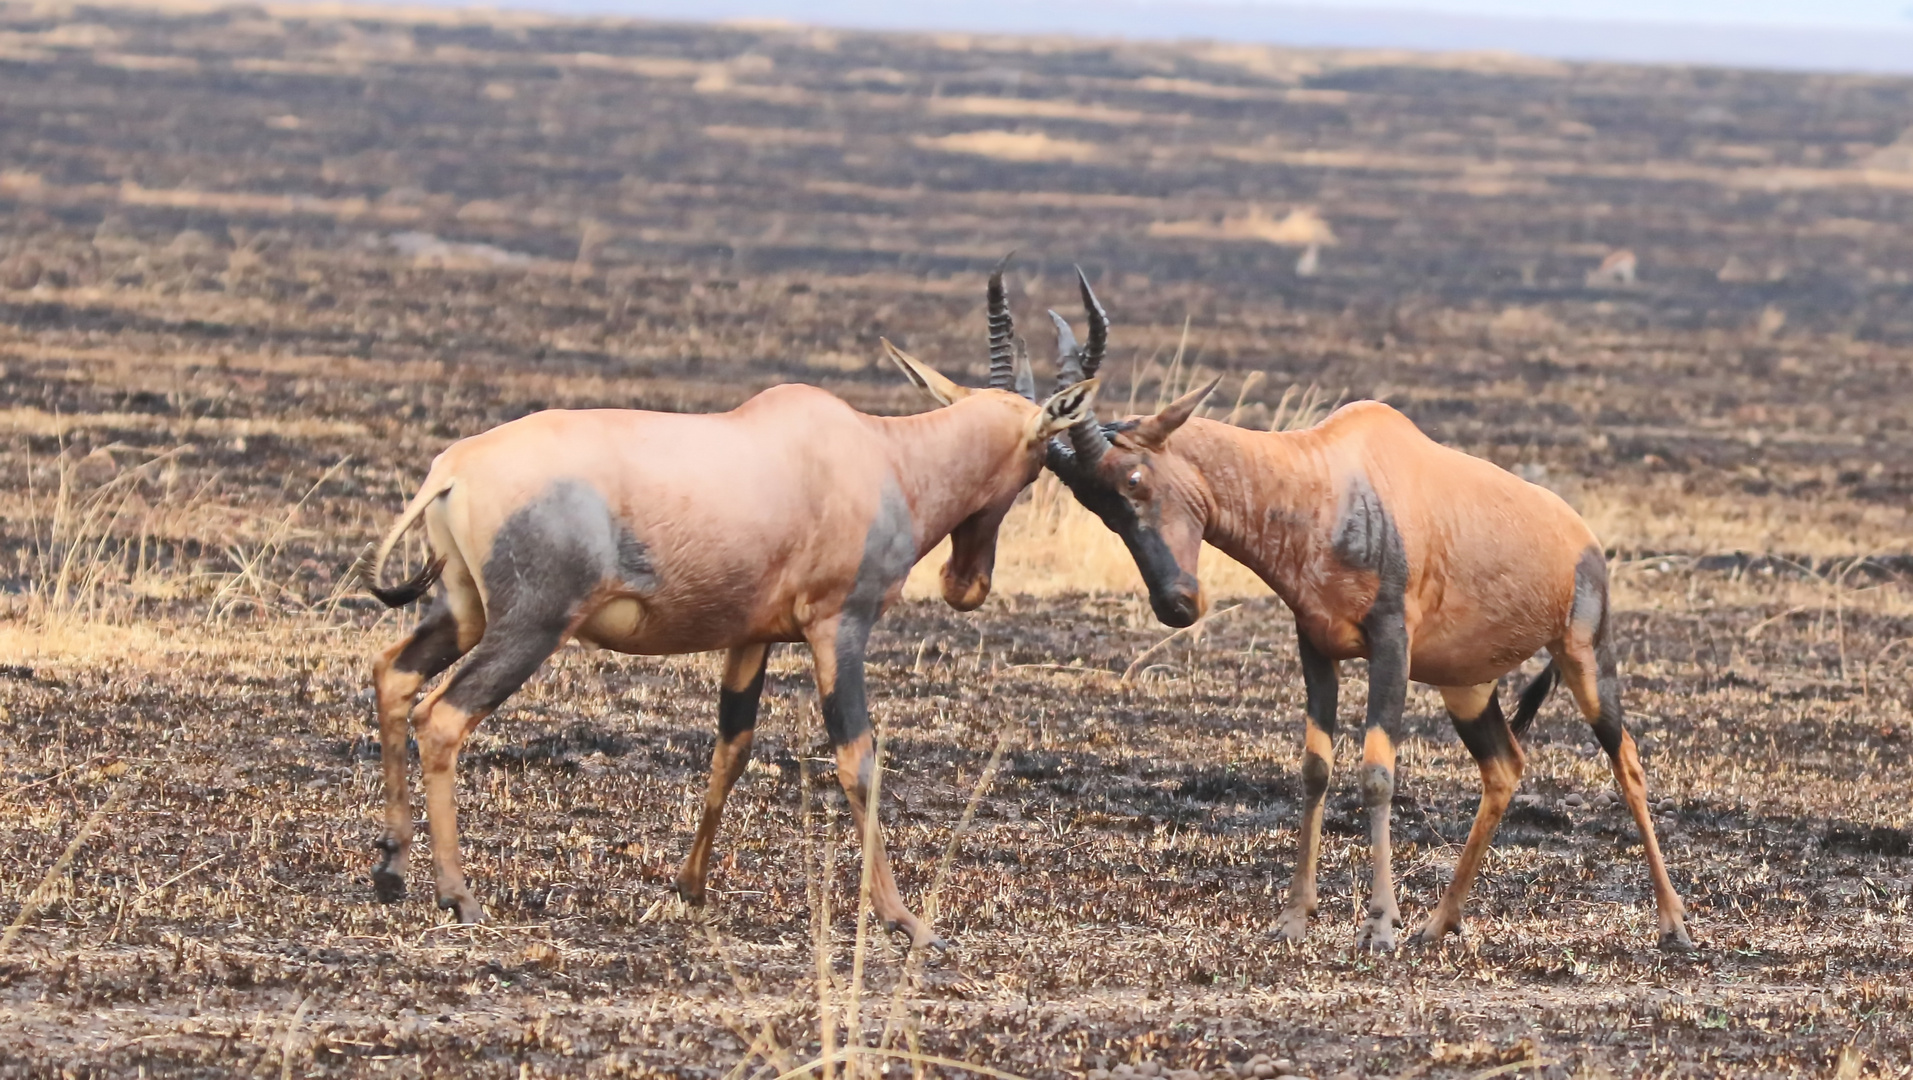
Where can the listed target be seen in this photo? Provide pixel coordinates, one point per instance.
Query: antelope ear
(1153, 431)
(1065, 409)
(924, 378)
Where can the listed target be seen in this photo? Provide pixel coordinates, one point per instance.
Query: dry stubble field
(257, 266)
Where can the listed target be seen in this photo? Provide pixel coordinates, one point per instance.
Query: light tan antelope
(791, 518)
(1434, 565)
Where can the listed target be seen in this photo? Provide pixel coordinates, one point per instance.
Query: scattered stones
(1573, 800)
(1265, 1067)
(1668, 805)
(1605, 798)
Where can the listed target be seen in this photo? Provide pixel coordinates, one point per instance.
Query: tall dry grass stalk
(104, 540)
(840, 1005)
(94, 547)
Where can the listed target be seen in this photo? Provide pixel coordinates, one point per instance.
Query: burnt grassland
(257, 266)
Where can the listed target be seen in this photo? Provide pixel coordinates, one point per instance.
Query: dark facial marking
(1171, 590)
(890, 549)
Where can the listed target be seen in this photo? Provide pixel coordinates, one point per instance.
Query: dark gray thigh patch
(501, 663)
(547, 558)
(1589, 615)
(433, 646)
(557, 549)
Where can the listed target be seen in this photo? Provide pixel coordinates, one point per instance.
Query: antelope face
(1128, 475)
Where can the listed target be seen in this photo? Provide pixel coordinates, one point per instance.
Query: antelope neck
(950, 461)
(1266, 493)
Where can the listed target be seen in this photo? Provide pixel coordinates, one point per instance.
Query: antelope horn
(1098, 327)
(1002, 330)
(1025, 376)
(1069, 355)
(1087, 437)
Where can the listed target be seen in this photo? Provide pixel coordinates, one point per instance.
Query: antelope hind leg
(397, 675)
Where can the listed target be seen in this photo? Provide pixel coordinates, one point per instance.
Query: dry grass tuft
(1011, 146)
(1301, 227)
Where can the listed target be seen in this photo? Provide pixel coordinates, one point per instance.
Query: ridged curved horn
(1069, 355)
(1002, 331)
(1087, 437)
(1025, 375)
(1098, 327)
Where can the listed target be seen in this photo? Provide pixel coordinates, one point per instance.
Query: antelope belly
(615, 625)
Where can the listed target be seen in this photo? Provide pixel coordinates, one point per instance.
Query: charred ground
(250, 257)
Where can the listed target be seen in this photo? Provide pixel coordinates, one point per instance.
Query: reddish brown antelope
(791, 518)
(1434, 565)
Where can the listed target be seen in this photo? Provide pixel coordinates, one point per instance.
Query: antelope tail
(372, 560)
(1532, 696)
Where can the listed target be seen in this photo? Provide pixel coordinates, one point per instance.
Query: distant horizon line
(1832, 48)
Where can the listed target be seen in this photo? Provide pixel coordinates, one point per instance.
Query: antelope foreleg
(1318, 763)
(1387, 695)
(838, 651)
(738, 696)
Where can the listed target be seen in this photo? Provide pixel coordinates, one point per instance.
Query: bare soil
(250, 257)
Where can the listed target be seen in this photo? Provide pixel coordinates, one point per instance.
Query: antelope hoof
(1378, 933)
(1430, 935)
(465, 907)
(692, 893)
(387, 884)
(1292, 924)
(920, 935)
(1674, 939)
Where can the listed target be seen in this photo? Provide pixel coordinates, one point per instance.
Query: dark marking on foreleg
(742, 687)
(1366, 538)
(840, 682)
(1322, 677)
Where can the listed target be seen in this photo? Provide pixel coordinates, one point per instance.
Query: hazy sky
(1897, 14)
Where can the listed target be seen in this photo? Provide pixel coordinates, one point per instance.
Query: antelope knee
(1378, 785)
(1315, 775)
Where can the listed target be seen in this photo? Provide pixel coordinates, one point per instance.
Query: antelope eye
(1135, 478)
